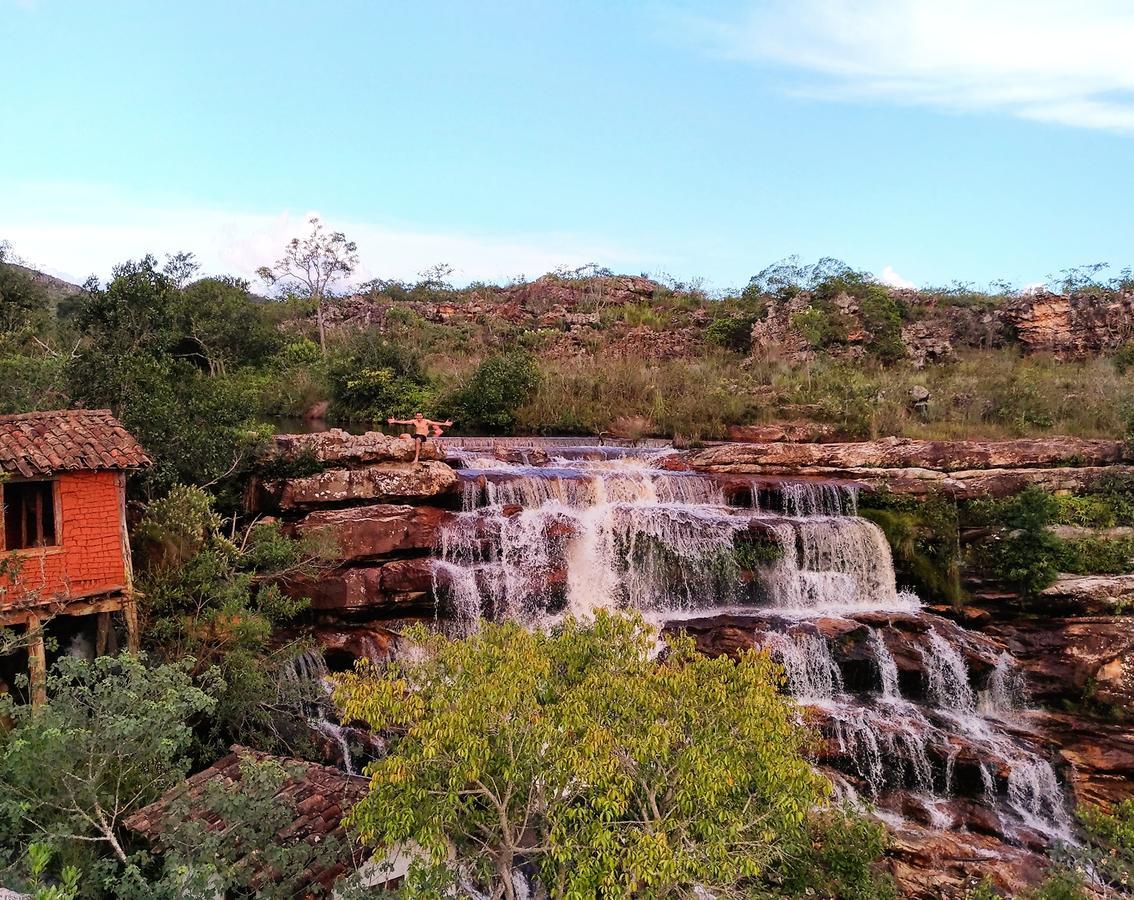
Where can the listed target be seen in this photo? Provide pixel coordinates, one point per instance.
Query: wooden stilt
(102, 634)
(130, 614)
(37, 662)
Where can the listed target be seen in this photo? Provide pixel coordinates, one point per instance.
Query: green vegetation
(217, 600)
(114, 736)
(923, 535)
(1025, 554)
(576, 754)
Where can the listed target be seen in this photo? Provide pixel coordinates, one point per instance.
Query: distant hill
(57, 289)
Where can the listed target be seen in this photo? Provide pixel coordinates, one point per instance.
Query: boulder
(377, 530)
(1091, 594)
(384, 481)
(342, 448)
(361, 588)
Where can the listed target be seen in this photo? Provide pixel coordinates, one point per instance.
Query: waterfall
(607, 528)
(310, 669)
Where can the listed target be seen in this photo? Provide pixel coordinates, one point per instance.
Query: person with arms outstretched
(421, 426)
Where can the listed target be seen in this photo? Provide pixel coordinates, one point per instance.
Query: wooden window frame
(57, 511)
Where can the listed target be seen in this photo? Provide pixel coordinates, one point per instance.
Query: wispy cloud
(75, 231)
(1053, 61)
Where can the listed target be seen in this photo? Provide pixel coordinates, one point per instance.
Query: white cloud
(893, 279)
(74, 231)
(1047, 60)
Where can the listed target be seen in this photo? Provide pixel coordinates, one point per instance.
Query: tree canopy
(575, 755)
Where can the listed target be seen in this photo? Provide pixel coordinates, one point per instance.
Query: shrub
(731, 332)
(496, 390)
(374, 380)
(1024, 554)
(116, 733)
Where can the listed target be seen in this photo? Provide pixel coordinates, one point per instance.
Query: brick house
(64, 548)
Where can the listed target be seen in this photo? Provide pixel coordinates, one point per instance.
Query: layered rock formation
(963, 469)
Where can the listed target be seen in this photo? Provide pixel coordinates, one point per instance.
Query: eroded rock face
(383, 481)
(345, 449)
(1071, 326)
(963, 469)
(376, 530)
(1077, 659)
(392, 587)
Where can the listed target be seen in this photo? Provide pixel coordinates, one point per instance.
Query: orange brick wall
(89, 559)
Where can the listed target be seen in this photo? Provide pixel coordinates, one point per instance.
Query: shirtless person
(421, 426)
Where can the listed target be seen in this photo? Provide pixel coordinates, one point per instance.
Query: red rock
(369, 532)
(908, 453)
(1064, 658)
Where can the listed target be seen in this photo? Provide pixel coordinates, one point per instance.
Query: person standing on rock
(421, 426)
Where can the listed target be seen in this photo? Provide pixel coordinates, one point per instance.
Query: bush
(577, 756)
(375, 380)
(731, 332)
(218, 600)
(494, 393)
(1025, 554)
(116, 734)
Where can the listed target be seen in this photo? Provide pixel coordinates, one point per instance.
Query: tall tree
(311, 265)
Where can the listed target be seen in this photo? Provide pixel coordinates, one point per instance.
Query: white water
(602, 531)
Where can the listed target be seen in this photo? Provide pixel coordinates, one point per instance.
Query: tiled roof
(320, 795)
(43, 443)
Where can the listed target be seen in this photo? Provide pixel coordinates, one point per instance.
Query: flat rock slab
(908, 453)
(343, 448)
(382, 481)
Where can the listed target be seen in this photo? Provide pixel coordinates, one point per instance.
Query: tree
(115, 734)
(496, 390)
(575, 755)
(217, 600)
(312, 265)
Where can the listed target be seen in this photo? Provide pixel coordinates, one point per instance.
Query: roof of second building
(43, 443)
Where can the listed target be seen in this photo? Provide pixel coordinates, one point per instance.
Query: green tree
(1024, 554)
(577, 754)
(115, 734)
(311, 266)
(496, 390)
(23, 302)
(217, 600)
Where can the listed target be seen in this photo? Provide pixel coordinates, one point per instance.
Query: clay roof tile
(43, 443)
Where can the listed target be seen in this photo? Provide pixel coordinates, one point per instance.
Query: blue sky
(928, 141)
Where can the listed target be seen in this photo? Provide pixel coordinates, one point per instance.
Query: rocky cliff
(900, 692)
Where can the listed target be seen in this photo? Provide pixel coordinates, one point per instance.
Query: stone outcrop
(341, 448)
(394, 586)
(1077, 325)
(1085, 658)
(375, 530)
(384, 481)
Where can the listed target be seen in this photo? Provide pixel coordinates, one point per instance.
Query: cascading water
(598, 529)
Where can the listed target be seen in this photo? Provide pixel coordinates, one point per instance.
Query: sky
(924, 141)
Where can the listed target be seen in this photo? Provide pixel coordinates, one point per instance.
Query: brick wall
(89, 557)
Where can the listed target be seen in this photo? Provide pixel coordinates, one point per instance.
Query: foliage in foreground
(576, 755)
(116, 733)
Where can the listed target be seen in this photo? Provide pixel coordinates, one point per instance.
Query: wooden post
(130, 614)
(102, 634)
(37, 661)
